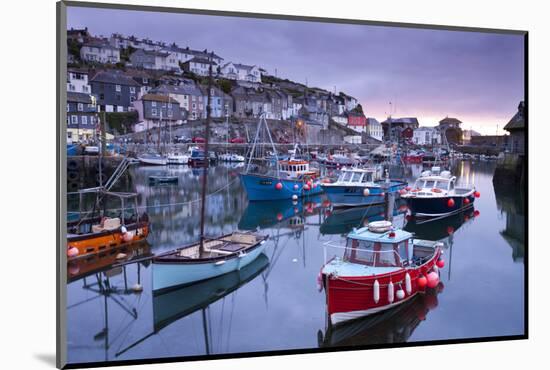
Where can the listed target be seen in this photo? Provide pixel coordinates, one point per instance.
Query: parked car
(237, 140)
(182, 140)
(197, 139)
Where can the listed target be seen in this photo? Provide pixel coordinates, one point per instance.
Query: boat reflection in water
(392, 326)
(82, 267)
(177, 304)
(269, 213)
(440, 228)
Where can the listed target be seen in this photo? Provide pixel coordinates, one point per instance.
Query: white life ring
(380, 226)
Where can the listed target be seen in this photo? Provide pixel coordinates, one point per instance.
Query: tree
(225, 86)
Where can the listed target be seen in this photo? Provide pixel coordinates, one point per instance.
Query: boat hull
(439, 206)
(353, 196)
(350, 298)
(153, 161)
(259, 187)
(168, 276)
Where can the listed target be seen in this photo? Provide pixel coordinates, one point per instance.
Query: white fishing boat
(231, 157)
(152, 159)
(177, 158)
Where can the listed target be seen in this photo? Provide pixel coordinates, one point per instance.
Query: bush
(121, 122)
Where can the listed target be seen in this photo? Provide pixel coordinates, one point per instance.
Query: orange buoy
(440, 263)
(477, 194)
(422, 282)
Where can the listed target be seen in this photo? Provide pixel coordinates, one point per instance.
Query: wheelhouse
(358, 177)
(392, 249)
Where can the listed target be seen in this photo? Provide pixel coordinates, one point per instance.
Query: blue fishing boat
(435, 194)
(360, 187)
(291, 179)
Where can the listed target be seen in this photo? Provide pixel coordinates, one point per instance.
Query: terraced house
(114, 90)
(200, 66)
(82, 117)
(156, 60)
(156, 110)
(99, 51)
(241, 72)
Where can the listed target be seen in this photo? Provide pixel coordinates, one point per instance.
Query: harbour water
(275, 303)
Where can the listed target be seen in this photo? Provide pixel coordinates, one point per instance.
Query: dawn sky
(428, 74)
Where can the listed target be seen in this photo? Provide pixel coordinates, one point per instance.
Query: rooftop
(518, 120)
(76, 97)
(159, 98)
(114, 77)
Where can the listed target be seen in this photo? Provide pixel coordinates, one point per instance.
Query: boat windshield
(376, 254)
(367, 177)
(443, 185)
(346, 176)
(356, 177)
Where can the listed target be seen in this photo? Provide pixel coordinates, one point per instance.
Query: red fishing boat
(381, 268)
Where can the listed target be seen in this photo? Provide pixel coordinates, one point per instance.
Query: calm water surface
(274, 303)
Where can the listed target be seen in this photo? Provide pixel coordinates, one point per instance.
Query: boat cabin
(393, 248)
(359, 176)
(435, 181)
(295, 168)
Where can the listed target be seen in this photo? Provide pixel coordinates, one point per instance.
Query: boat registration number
(265, 182)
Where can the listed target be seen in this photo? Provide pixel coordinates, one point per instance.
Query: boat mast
(206, 158)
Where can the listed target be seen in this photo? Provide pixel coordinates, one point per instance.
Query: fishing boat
(163, 179)
(231, 157)
(198, 158)
(291, 179)
(381, 268)
(155, 159)
(206, 259)
(210, 256)
(360, 187)
(177, 159)
(435, 194)
(101, 233)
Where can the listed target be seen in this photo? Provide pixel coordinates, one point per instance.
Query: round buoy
(382, 194)
(279, 186)
(72, 252)
(440, 263)
(450, 230)
(120, 256)
(476, 213)
(279, 216)
(306, 187)
(450, 203)
(477, 194)
(294, 197)
(466, 201)
(466, 218)
(400, 294)
(309, 183)
(314, 186)
(296, 187)
(408, 188)
(433, 279)
(422, 282)
(366, 192)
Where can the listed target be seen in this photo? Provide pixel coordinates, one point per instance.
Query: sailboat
(210, 256)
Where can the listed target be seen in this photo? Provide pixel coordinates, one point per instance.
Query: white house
(200, 66)
(156, 60)
(186, 54)
(100, 52)
(241, 72)
(426, 136)
(77, 81)
(375, 129)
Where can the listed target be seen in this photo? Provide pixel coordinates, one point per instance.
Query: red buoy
(433, 279)
(477, 194)
(466, 201)
(279, 186)
(279, 216)
(382, 194)
(408, 188)
(476, 213)
(306, 187)
(451, 202)
(440, 263)
(450, 230)
(422, 281)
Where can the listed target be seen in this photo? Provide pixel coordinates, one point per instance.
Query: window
(367, 177)
(346, 176)
(74, 120)
(153, 103)
(71, 87)
(145, 80)
(69, 135)
(85, 88)
(132, 89)
(443, 185)
(429, 184)
(80, 107)
(194, 106)
(68, 109)
(118, 88)
(84, 120)
(101, 96)
(356, 177)
(169, 112)
(154, 112)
